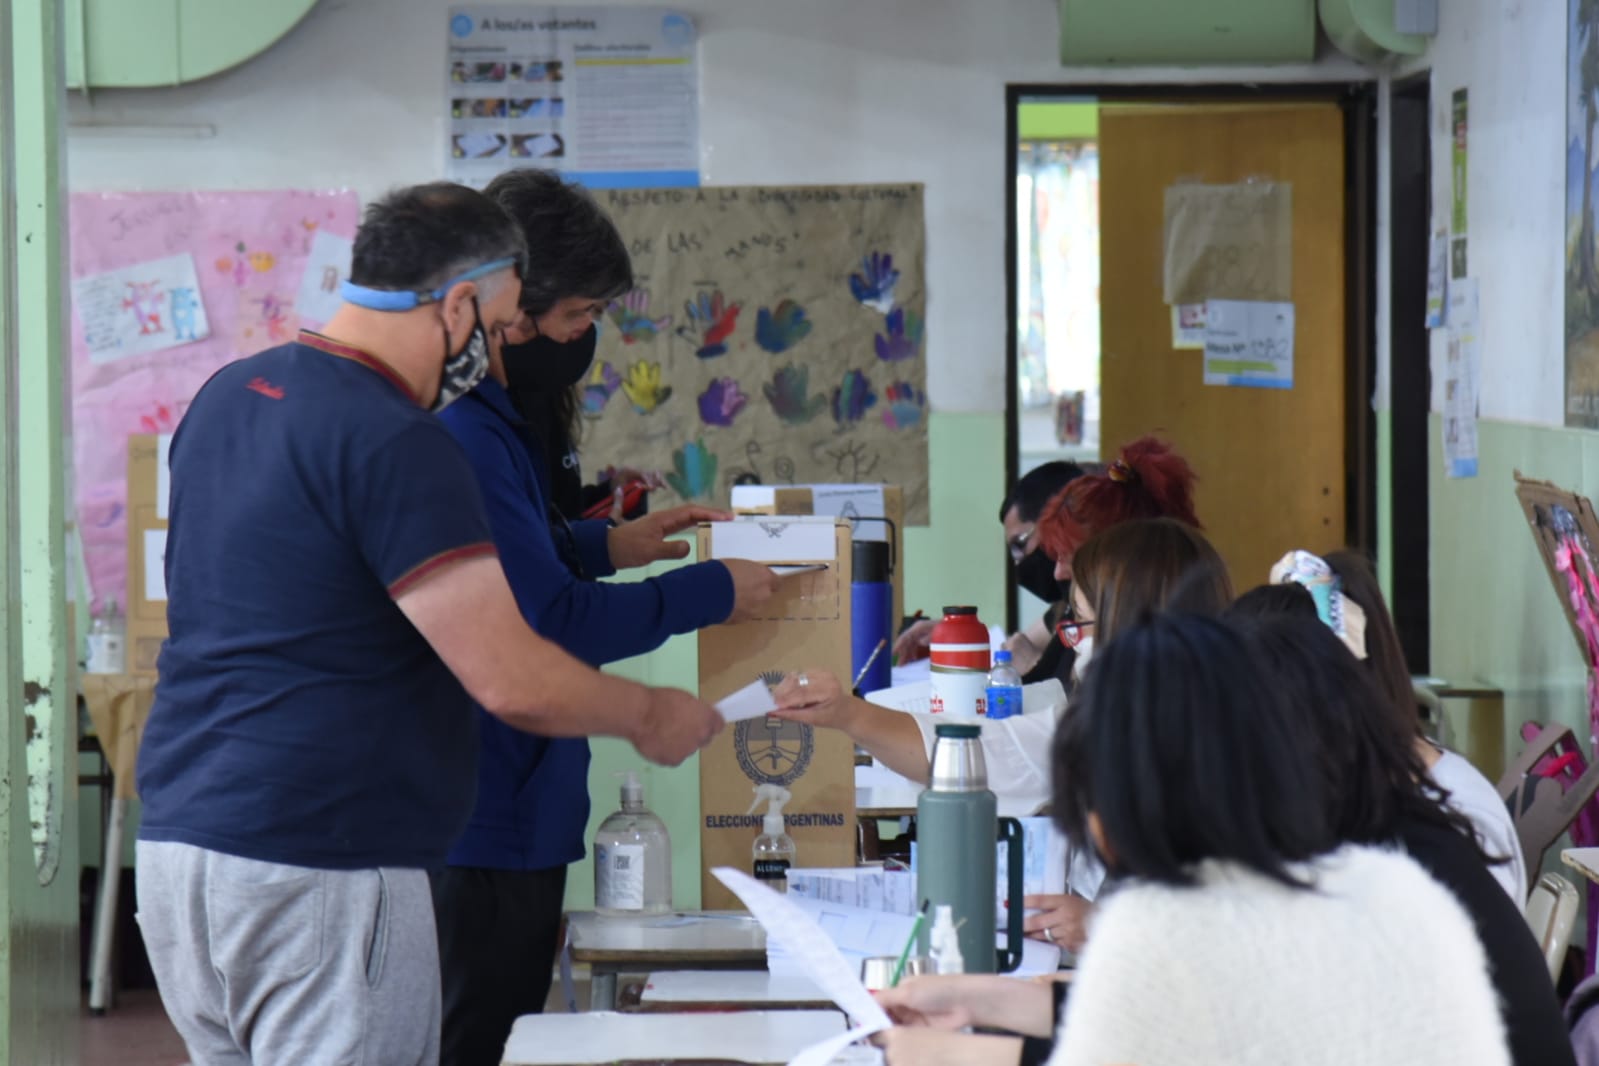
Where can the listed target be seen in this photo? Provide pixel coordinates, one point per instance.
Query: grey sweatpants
(264, 964)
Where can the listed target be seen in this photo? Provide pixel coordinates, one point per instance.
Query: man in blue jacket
(499, 901)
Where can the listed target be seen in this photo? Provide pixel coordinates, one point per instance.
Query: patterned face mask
(463, 370)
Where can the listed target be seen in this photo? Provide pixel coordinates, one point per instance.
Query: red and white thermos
(961, 660)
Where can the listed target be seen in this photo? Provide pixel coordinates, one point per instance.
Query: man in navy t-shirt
(335, 607)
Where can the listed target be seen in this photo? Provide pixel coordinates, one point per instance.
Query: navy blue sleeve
(593, 546)
(415, 507)
(599, 622)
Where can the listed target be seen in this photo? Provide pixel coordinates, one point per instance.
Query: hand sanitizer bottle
(774, 848)
(632, 858)
(945, 950)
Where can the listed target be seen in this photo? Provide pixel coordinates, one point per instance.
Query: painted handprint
(902, 338)
(789, 393)
(721, 402)
(906, 407)
(779, 329)
(693, 475)
(710, 323)
(852, 398)
(644, 388)
(602, 383)
(631, 313)
(874, 285)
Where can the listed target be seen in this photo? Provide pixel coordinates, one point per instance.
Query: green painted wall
(1055, 121)
(1495, 615)
(958, 558)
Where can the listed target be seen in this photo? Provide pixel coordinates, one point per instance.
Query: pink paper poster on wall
(167, 288)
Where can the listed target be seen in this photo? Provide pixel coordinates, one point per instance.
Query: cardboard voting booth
(806, 624)
(147, 545)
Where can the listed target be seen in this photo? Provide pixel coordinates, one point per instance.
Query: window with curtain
(1057, 399)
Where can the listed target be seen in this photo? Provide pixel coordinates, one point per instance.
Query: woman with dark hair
(1244, 930)
(498, 902)
(1472, 794)
(1381, 794)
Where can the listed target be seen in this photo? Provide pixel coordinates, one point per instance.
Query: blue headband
(401, 300)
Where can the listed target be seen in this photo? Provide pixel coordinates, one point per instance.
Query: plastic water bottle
(1004, 687)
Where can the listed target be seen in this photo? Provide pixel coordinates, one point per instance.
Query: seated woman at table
(1130, 569)
(1245, 929)
(1148, 480)
(1472, 794)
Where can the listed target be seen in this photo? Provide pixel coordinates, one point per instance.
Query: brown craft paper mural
(774, 335)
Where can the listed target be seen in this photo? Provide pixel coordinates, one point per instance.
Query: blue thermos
(871, 609)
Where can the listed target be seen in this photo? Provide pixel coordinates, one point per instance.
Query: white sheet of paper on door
(325, 270)
(155, 565)
(1249, 344)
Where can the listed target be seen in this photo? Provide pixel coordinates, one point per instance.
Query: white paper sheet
(817, 957)
(853, 502)
(163, 475)
(1437, 278)
(327, 266)
(142, 308)
(1462, 365)
(828, 1050)
(790, 539)
(751, 701)
(790, 570)
(1249, 344)
(155, 564)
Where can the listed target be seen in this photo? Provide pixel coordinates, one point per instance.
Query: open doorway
(1097, 356)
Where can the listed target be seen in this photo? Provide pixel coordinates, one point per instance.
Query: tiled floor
(133, 1033)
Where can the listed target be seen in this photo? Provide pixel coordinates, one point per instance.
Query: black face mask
(545, 365)
(1036, 574)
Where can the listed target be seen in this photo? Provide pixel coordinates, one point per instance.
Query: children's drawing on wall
(146, 307)
(792, 323)
(168, 287)
(1582, 236)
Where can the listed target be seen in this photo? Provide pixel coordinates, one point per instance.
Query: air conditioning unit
(1186, 33)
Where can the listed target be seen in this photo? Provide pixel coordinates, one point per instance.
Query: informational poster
(1457, 210)
(1249, 344)
(326, 268)
(1437, 278)
(1462, 371)
(1228, 242)
(776, 336)
(1580, 233)
(607, 95)
(209, 277)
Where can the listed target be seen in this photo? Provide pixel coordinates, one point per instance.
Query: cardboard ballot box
(806, 624)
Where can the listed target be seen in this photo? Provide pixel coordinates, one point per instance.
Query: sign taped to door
(1228, 242)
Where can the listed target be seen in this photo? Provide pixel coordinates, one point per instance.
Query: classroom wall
(791, 93)
(1495, 616)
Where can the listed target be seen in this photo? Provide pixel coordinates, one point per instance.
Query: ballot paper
(817, 957)
(751, 701)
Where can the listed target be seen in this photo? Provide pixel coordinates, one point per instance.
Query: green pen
(904, 956)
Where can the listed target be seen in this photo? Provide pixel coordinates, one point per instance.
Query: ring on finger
(1049, 934)
(802, 681)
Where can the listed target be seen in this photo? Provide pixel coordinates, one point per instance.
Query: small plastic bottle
(774, 849)
(107, 642)
(632, 858)
(1004, 687)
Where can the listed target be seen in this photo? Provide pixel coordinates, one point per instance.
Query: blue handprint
(603, 381)
(721, 402)
(789, 393)
(694, 471)
(852, 397)
(778, 330)
(874, 286)
(907, 405)
(902, 336)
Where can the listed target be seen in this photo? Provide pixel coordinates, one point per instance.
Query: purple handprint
(852, 397)
(874, 285)
(601, 386)
(721, 402)
(779, 329)
(907, 405)
(902, 338)
(631, 314)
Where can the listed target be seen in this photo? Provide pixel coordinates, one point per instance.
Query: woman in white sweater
(1240, 933)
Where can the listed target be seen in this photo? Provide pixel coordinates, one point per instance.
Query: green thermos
(957, 830)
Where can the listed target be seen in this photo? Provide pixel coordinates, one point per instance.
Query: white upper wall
(1510, 56)
(793, 92)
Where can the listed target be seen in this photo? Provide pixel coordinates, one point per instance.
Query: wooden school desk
(685, 940)
(583, 1039)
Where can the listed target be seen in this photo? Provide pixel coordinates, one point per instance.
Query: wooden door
(1270, 461)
